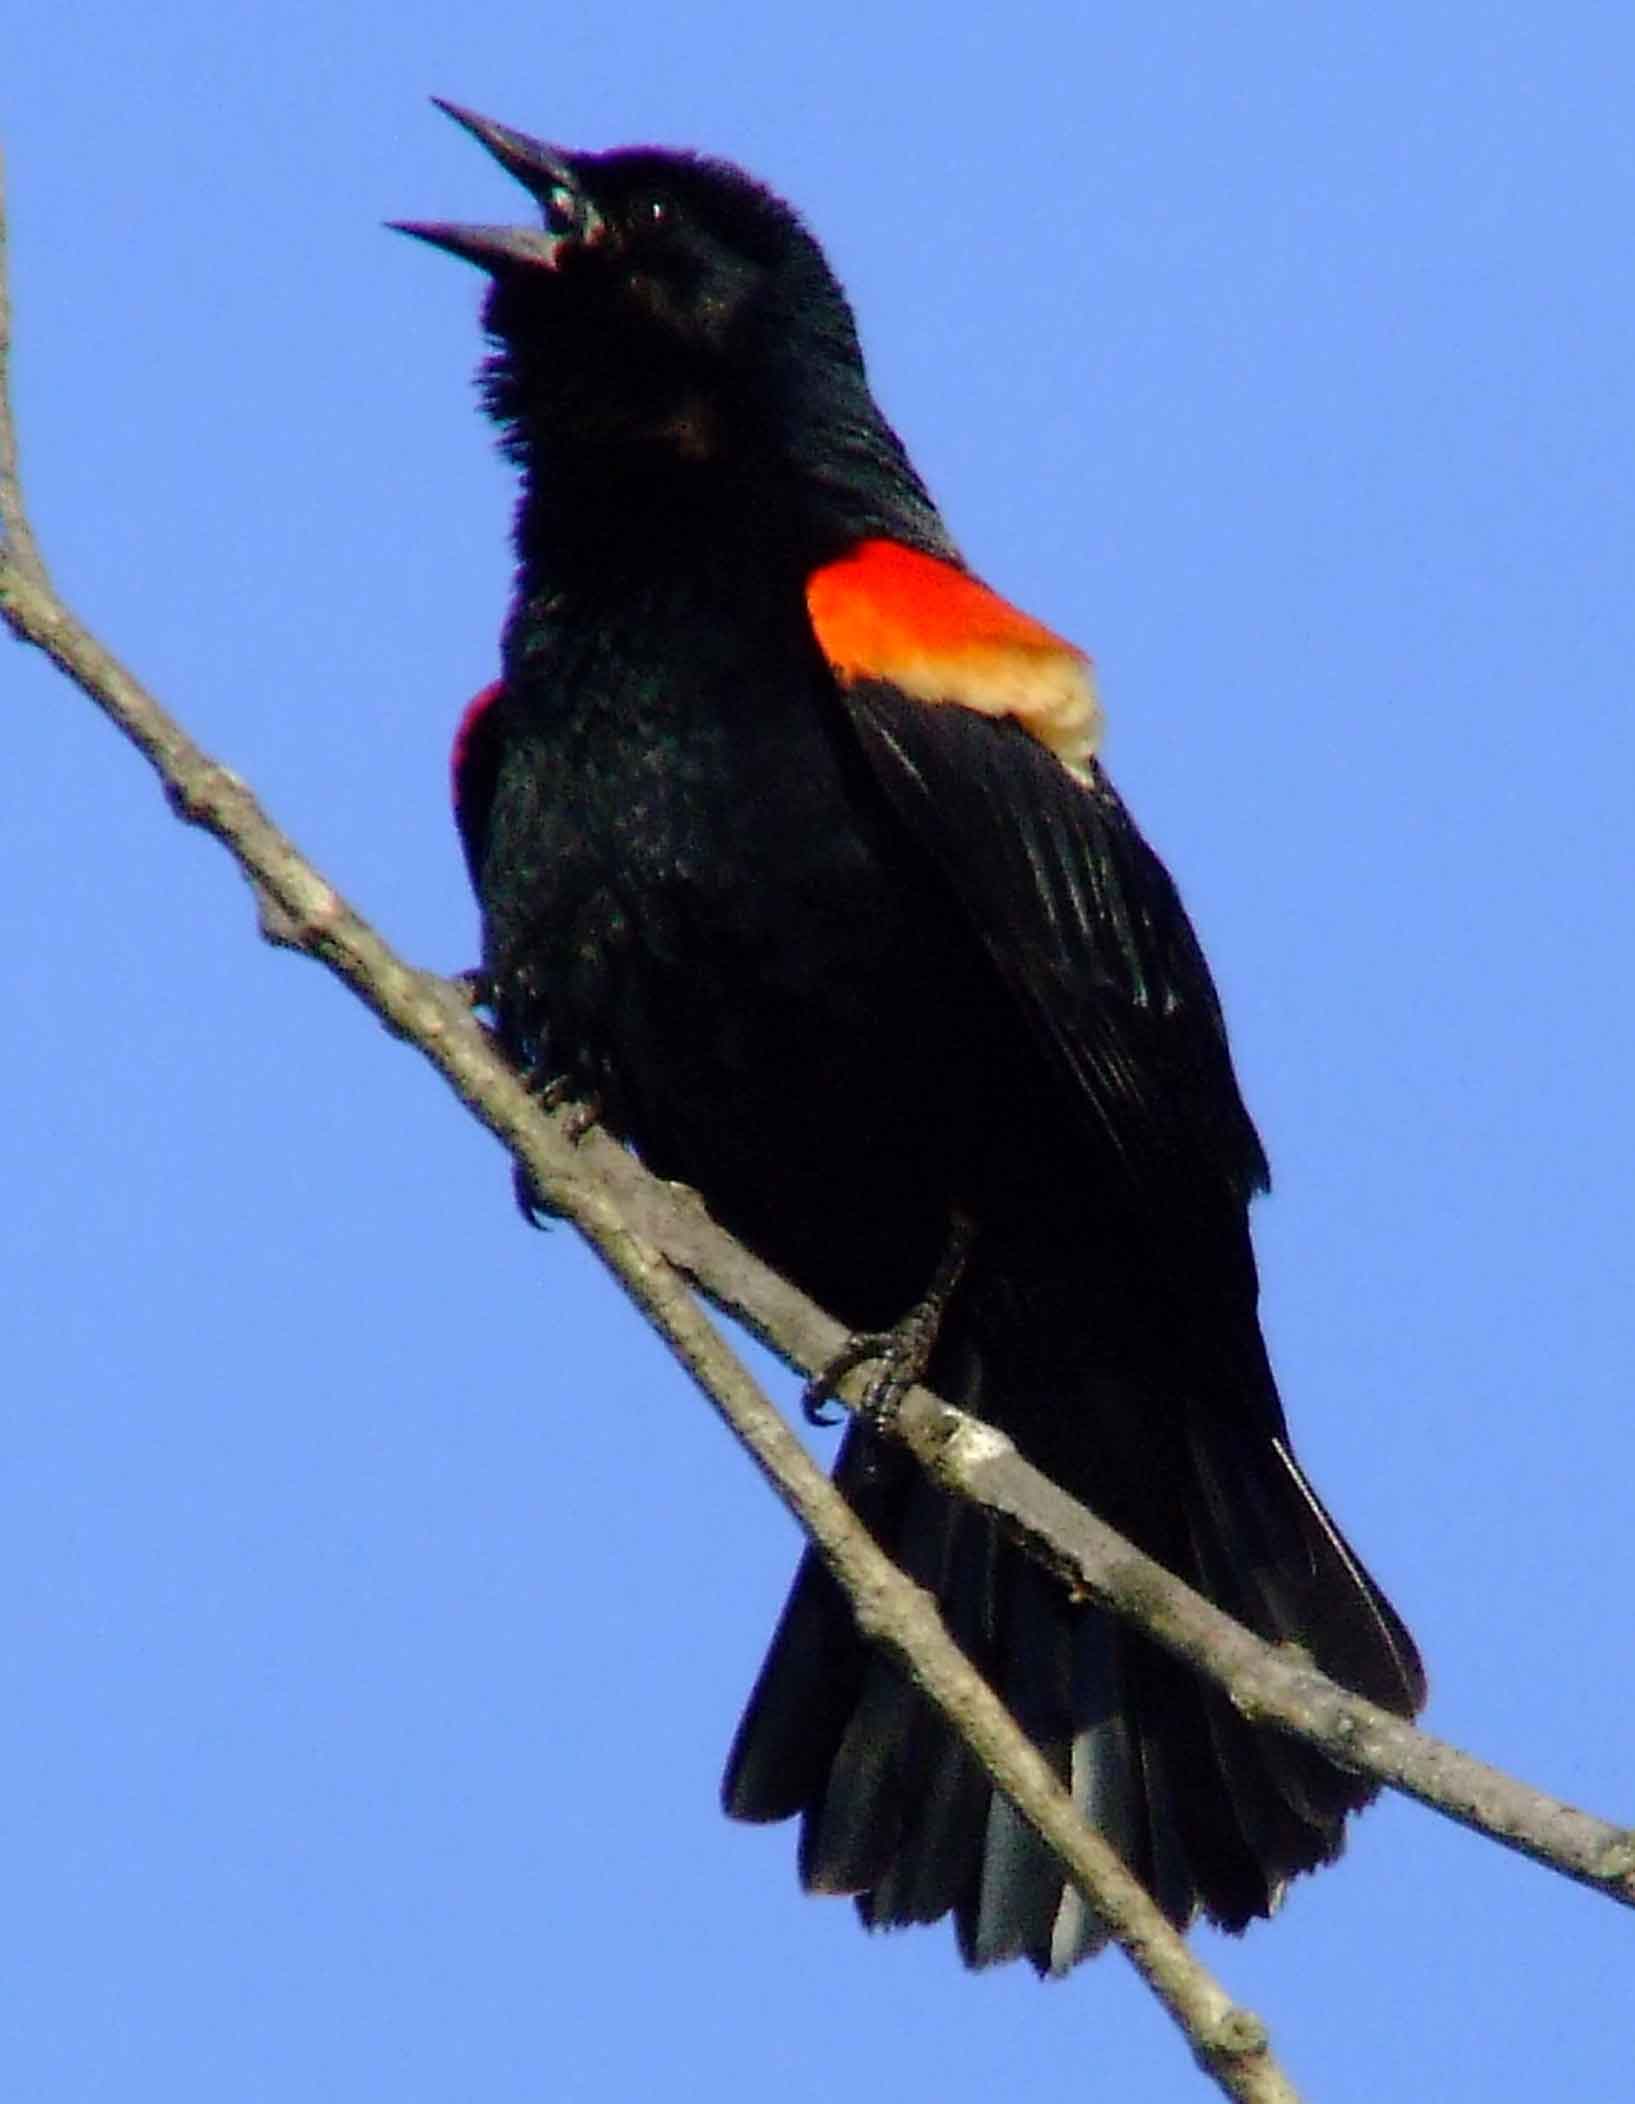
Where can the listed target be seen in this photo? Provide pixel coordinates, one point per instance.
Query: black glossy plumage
(846, 962)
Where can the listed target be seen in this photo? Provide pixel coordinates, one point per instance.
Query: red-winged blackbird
(794, 854)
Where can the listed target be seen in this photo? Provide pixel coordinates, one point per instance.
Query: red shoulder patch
(468, 733)
(474, 766)
(887, 612)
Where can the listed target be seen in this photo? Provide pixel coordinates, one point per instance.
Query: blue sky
(379, 1600)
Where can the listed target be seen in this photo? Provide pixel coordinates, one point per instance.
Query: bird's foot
(902, 1352)
(475, 988)
(582, 1114)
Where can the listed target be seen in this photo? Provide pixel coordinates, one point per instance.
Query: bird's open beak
(571, 219)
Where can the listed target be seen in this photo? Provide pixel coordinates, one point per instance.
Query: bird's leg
(478, 989)
(904, 1351)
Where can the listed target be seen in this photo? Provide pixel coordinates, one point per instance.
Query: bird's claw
(534, 1207)
(903, 1352)
(581, 1115)
(476, 988)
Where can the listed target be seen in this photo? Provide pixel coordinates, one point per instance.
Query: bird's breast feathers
(884, 611)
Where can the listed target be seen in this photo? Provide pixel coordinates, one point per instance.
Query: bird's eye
(654, 211)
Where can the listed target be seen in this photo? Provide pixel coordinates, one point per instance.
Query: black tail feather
(1211, 1813)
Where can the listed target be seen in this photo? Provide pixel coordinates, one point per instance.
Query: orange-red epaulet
(468, 730)
(887, 612)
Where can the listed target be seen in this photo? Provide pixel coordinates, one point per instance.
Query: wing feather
(1085, 927)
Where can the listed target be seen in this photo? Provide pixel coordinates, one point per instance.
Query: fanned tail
(1214, 1815)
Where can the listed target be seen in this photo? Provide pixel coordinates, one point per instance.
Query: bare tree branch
(1270, 1685)
(655, 1239)
(299, 910)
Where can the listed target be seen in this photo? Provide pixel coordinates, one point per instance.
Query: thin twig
(301, 911)
(16, 537)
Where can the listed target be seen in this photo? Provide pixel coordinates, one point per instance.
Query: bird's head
(667, 312)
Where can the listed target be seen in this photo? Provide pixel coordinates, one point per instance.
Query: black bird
(795, 856)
